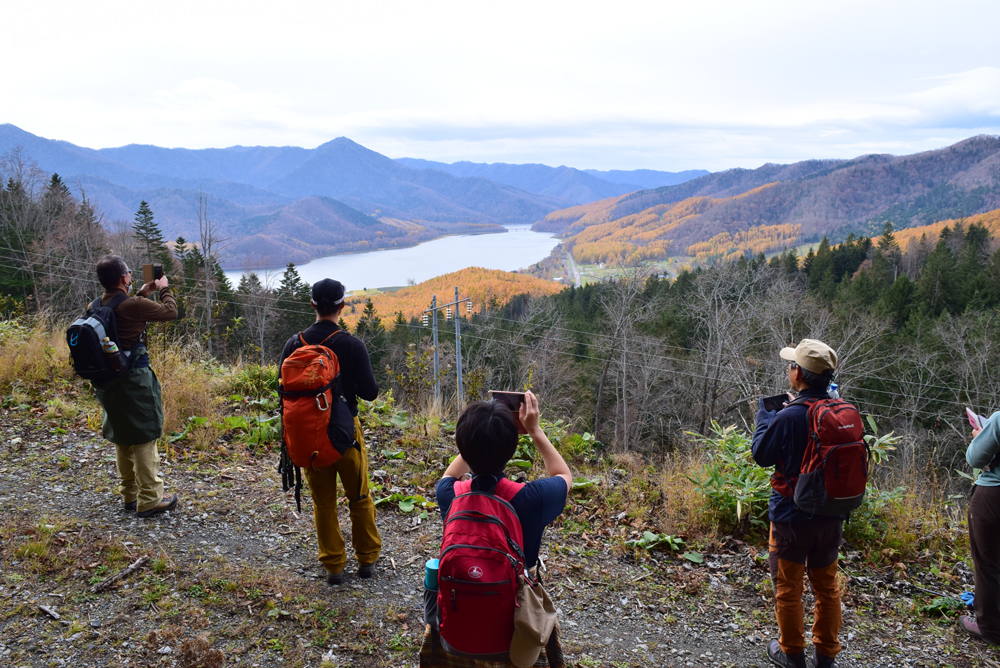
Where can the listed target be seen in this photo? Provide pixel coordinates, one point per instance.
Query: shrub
(736, 487)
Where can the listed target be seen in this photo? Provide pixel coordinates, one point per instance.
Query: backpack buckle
(319, 404)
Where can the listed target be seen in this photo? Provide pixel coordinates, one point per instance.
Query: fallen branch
(49, 611)
(101, 586)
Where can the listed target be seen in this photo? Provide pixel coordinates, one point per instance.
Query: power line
(705, 363)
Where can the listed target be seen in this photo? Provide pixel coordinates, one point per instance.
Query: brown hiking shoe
(168, 502)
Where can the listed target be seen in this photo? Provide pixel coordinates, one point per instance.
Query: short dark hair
(816, 381)
(326, 307)
(110, 270)
(486, 435)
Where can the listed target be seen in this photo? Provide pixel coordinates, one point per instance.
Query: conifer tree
(293, 296)
(150, 239)
(936, 286)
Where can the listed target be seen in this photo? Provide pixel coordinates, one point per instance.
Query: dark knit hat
(328, 291)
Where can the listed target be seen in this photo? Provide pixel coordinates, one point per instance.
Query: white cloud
(647, 84)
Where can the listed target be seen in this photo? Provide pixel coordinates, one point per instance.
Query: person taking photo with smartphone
(984, 532)
(132, 403)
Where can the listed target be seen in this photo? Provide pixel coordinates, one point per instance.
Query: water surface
(515, 249)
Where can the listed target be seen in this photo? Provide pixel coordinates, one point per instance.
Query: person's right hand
(529, 413)
(976, 432)
(161, 282)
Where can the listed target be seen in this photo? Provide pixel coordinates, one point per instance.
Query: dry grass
(33, 353)
(189, 380)
(684, 510)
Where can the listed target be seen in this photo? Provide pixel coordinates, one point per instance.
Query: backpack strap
(115, 301)
(507, 489)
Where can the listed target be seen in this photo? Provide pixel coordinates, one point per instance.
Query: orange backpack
(317, 425)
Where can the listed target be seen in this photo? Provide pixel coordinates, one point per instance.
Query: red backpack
(317, 425)
(834, 471)
(482, 554)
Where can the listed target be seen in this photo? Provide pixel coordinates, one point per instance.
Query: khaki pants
(139, 469)
(792, 547)
(352, 469)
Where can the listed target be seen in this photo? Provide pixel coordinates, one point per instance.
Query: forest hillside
(822, 198)
(649, 388)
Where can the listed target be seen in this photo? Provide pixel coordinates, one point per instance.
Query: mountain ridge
(822, 197)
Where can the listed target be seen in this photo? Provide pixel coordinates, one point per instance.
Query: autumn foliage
(640, 237)
(726, 247)
(990, 220)
(485, 287)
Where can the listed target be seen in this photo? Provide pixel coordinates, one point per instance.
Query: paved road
(574, 270)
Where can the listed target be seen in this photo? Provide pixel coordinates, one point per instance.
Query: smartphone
(974, 419)
(513, 401)
(151, 272)
(776, 403)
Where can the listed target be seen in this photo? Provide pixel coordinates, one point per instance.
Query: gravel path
(233, 578)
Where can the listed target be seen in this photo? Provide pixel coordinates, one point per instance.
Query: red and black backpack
(834, 471)
(482, 554)
(317, 424)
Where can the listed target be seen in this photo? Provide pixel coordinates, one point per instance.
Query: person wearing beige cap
(798, 541)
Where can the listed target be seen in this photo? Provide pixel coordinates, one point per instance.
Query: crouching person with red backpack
(816, 445)
(322, 373)
(492, 535)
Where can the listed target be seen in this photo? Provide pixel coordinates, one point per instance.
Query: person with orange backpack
(492, 536)
(816, 445)
(323, 372)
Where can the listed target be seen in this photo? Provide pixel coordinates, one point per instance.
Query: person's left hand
(148, 289)
(976, 432)
(529, 413)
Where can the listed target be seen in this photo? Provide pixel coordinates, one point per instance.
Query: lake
(515, 249)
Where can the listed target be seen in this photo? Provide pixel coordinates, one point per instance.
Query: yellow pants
(353, 471)
(139, 469)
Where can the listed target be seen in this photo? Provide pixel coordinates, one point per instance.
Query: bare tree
(211, 245)
(259, 308)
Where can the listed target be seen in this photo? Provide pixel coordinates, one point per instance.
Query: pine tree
(936, 286)
(150, 238)
(293, 295)
(820, 264)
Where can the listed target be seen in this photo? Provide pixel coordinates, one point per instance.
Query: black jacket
(356, 375)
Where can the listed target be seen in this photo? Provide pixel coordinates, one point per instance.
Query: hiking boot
(335, 579)
(969, 624)
(824, 661)
(365, 571)
(130, 506)
(779, 658)
(168, 502)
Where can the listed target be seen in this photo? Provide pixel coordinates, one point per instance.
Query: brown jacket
(132, 314)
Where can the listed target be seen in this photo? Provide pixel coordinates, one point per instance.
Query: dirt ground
(233, 578)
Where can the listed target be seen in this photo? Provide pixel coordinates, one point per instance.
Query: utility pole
(458, 353)
(460, 389)
(437, 375)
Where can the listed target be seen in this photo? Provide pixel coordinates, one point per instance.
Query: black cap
(328, 291)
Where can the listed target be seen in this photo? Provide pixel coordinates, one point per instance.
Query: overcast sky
(609, 85)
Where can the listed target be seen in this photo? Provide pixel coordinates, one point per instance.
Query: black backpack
(86, 343)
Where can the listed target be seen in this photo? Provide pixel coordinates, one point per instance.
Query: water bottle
(834, 394)
(114, 355)
(431, 574)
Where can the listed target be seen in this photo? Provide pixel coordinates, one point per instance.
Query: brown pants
(984, 539)
(352, 469)
(139, 469)
(792, 547)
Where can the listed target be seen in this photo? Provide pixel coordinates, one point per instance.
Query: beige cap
(811, 355)
(534, 620)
